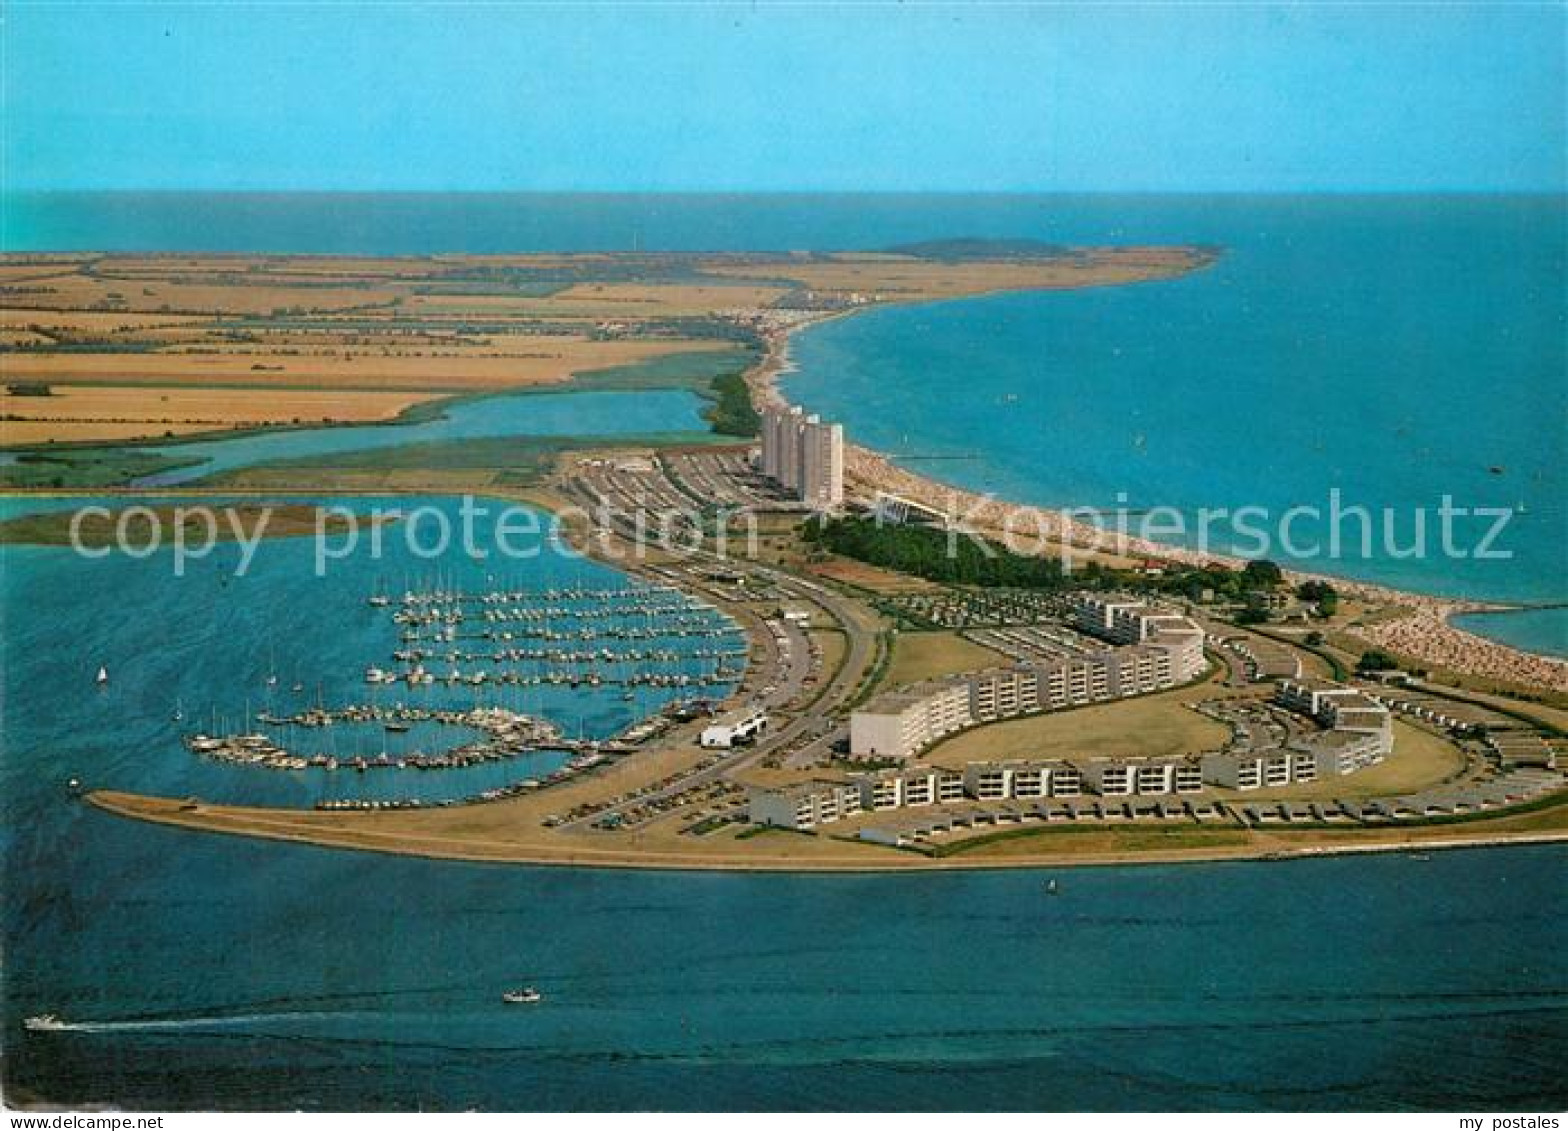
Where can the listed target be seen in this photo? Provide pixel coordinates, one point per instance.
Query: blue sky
(777, 97)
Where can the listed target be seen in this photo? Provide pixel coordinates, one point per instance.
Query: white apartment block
(1342, 710)
(789, 428)
(1254, 770)
(998, 781)
(1122, 621)
(804, 456)
(772, 441)
(804, 806)
(896, 789)
(900, 724)
(822, 465)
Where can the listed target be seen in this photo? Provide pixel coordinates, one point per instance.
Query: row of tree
(936, 556)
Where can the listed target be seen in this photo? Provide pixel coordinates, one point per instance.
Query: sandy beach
(1424, 631)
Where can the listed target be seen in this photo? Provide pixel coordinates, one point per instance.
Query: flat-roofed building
(772, 439)
(803, 455)
(1339, 752)
(997, 781)
(737, 728)
(1109, 778)
(1066, 780)
(901, 511)
(789, 431)
(1137, 669)
(900, 724)
(988, 781)
(804, 806)
(1155, 777)
(1002, 693)
(1108, 618)
(1310, 696)
(1031, 780)
(897, 789)
(1256, 769)
(1123, 621)
(1187, 776)
(1360, 728)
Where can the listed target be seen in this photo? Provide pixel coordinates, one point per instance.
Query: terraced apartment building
(1150, 650)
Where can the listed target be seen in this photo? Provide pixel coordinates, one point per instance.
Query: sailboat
(103, 675)
(1051, 888)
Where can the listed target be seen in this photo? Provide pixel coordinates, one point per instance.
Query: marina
(998, 558)
(506, 735)
(690, 647)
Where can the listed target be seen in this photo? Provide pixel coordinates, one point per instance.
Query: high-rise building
(822, 465)
(789, 449)
(804, 456)
(772, 425)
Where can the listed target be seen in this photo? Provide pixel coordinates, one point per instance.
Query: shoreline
(1425, 632)
(524, 842)
(284, 825)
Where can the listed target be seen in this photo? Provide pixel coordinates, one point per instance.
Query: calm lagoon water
(515, 414)
(210, 971)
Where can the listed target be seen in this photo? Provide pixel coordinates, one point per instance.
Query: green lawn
(1149, 726)
(925, 655)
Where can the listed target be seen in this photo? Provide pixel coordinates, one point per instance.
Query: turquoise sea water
(209, 971)
(1375, 355)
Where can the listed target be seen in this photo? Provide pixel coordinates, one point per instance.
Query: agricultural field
(136, 347)
(128, 412)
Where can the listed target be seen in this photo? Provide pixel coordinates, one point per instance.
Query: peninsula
(1211, 735)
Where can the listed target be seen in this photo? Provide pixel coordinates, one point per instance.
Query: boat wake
(51, 1024)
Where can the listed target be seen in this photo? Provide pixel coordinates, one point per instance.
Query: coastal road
(816, 724)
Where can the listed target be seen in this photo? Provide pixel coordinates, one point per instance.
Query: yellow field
(150, 295)
(550, 359)
(409, 326)
(23, 338)
(124, 412)
(639, 300)
(92, 321)
(913, 279)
